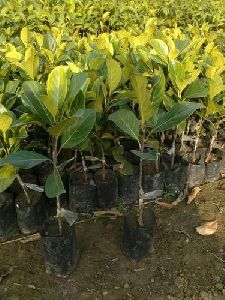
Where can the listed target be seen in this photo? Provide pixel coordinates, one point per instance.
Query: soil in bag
(151, 179)
(212, 171)
(82, 193)
(107, 189)
(137, 241)
(8, 219)
(30, 216)
(196, 175)
(128, 187)
(27, 176)
(60, 250)
(176, 178)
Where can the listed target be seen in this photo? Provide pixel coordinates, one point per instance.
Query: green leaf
(7, 176)
(179, 112)
(126, 121)
(31, 92)
(5, 122)
(126, 167)
(114, 74)
(159, 87)
(78, 103)
(160, 49)
(25, 36)
(59, 128)
(78, 82)
(139, 83)
(152, 155)
(23, 159)
(197, 89)
(31, 62)
(57, 85)
(77, 132)
(54, 185)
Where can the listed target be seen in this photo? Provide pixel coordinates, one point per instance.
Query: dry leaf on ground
(207, 228)
(193, 194)
(164, 204)
(112, 211)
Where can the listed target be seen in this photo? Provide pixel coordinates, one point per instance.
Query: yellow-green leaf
(7, 176)
(57, 85)
(49, 104)
(31, 62)
(139, 84)
(59, 128)
(5, 122)
(25, 36)
(114, 74)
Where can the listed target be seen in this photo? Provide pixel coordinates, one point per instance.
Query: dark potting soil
(82, 192)
(138, 241)
(176, 178)
(128, 187)
(60, 251)
(8, 219)
(196, 175)
(151, 179)
(212, 171)
(82, 195)
(107, 189)
(31, 216)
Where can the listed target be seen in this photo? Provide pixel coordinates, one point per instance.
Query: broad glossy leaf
(114, 74)
(126, 167)
(57, 85)
(179, 112)
(158, 90)
(78, 82)
(197, 89)
(49, 42)
(7, 176)
(161, 49)
(5, 122)
(31, 92)
(23, 159)
(54, 185)
(59, 128)
(139, 84)
(152, 155)
(78, 103)
(77, 132)
(216, 86)
(127, 122)
(25, 36)
(31, 62)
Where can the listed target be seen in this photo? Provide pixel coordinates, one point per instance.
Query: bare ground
(183, 265)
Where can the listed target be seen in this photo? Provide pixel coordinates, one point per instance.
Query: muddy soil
(183, 265)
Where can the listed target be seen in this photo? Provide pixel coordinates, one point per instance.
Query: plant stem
(84, 168)
(198, 131)
(23, 187)
(213, 138)
(174, 149)
(141, 192)
(55, 160)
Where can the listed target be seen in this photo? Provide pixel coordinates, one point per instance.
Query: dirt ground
(183, 265)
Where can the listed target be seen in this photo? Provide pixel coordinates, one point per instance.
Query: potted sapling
(138, 228)
(106, 183)
(68, 124)
(128, 179)
(30, 203)
(82, 189)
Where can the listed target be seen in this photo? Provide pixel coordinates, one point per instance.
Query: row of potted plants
(107, 104)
